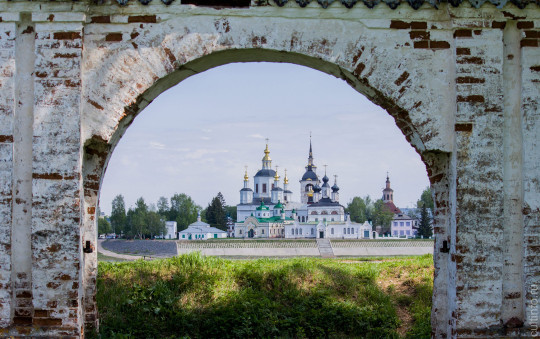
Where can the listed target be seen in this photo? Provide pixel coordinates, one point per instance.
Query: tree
(216, 214)
(155, 224)
(163, 207)
(104, 227)
(382, 216)
(424, 229)
(426, 199)
(183, 210)
(231, 212)
(118, 214)
(357, 210)
(138, 220)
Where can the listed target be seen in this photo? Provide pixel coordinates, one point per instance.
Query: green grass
(192, 296)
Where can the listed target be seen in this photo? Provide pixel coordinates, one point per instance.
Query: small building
(201, 231)
(171, 227)
(404, 226)
(331, 230)
(265, 223)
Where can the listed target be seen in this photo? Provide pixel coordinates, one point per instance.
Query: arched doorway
(99, 149)
(251, 233)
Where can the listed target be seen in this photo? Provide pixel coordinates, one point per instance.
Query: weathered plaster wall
(462, 84)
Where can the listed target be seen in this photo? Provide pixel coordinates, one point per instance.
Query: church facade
(267, 209)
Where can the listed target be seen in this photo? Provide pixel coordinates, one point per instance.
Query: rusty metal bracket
(88, 247)
(445, 248)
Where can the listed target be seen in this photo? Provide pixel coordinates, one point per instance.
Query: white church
(267, 211)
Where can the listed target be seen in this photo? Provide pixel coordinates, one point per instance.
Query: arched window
(334, 213)
(262, 231)
(312, 231)
(344, 230)
(324, 212)
(332, 230)
(300, 231)
(240, 231)
(352, 230)
(332, 219)
(314, 213)
(316, 219)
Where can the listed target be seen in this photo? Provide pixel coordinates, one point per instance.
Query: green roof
(262, 207)
(278, 205)
(273, 219)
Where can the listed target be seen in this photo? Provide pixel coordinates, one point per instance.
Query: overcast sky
(197, 137)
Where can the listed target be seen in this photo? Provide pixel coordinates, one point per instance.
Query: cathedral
(267, 210)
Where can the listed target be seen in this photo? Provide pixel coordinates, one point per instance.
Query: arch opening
(98, 150)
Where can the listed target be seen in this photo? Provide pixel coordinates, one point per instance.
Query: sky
(196, 138)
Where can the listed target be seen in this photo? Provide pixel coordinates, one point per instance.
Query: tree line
(148, 221)
(365, 209)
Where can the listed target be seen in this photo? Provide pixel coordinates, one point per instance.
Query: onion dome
(317, 188)
(325, 178)
(335, 188)
(310, 175)
(266, 173)
(246, 176)
(278, 205)
(262, 206)
(266, 154)
(285, 180)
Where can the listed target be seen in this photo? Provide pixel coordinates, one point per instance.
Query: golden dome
(246, 176)
(276, 177)
(266, 154)
(285, 180)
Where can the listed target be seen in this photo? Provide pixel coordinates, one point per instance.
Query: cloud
(256, 136)
(156, 145)
(202, 152)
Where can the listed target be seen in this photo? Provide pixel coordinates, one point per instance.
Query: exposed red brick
(170, 55)
(470, 98)
(51, 176)
(463, 51)
(477, 31)
(47, 321)
(525, 25)
(53, 285)
(514, 295)
(463, 127)
(498, 24)
(52, 304)
(113, 37)
(532, 34)
(439, 45)
(102, 19)
(535, 68)
(54, 248)
(421, 44)
(23, 294)
(28, 30)
(402, 78)
(397, 24)
(23, 312)
(66, 55)
(358, 70)
(419, 35)
(6, 138)
(66, 35)
(418, 25)
(22, 320)
(51, 17)
(470, 60)
(463, 33)
(95, 104)
(529, 43)
(40, 74)
(142, 18)
(134, 35)
(470, 80)
(41, 313)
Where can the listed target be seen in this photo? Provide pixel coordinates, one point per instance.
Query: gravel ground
(159, 248)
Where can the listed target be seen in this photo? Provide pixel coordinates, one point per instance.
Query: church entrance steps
(325, 248)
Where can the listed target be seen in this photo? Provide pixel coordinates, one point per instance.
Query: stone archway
(461, 84)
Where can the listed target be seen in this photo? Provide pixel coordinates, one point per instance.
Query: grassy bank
(207, 297)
